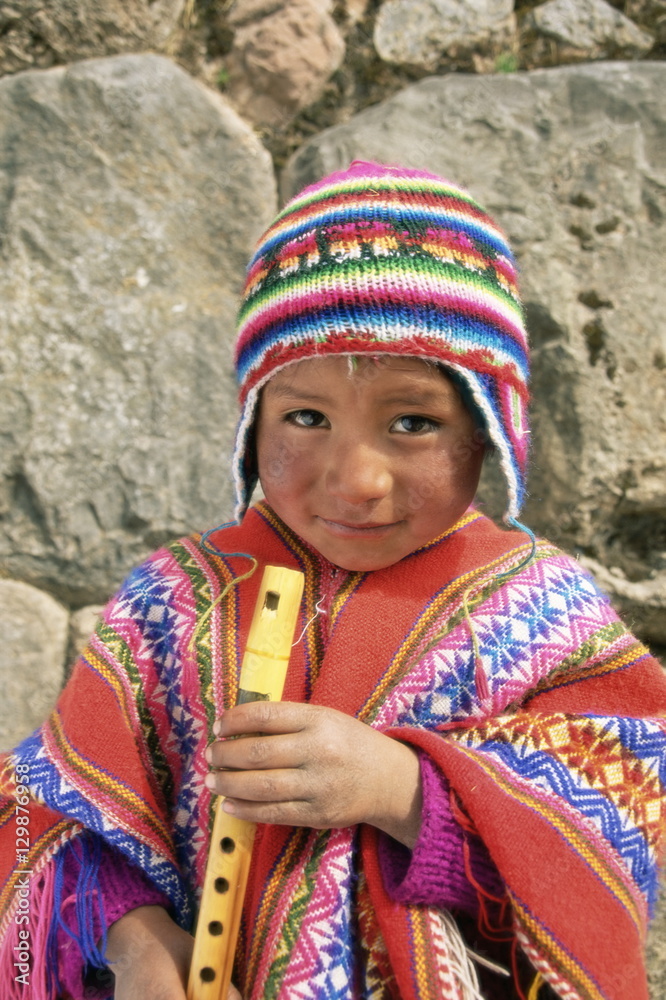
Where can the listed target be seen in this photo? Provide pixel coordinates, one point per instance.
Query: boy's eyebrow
(292, 392)
(427, 397)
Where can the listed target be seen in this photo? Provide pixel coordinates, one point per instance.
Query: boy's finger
(263, 717)
(257, 786)
(256, 752)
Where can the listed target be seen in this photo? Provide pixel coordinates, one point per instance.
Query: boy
(466, 728)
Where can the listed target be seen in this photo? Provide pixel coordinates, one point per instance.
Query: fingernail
(216, 727)
(208, 754)
(209, 782)
(228, 807)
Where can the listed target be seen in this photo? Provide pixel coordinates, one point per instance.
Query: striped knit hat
(383, 260)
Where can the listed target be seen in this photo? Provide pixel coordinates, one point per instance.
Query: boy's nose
(358, 473)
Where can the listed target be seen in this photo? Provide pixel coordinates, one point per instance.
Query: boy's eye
(306, 418)
(412, 423)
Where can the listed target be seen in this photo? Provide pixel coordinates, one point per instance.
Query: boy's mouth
(355, 529)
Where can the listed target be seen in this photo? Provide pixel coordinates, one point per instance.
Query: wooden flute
(262, 677)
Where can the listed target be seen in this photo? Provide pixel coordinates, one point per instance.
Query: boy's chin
(362, 565)
(357, 559)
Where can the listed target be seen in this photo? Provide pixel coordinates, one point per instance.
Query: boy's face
(366, 462)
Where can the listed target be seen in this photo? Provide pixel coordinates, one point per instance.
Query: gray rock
(130, 198)
(355, 10)
(642, 602)
(43, 33)
(572, 162)
(283, 54)
(82, 624)
(656, 18)
(589, 29)
(649, 15)
(424, 33)
(656, 950)
(33, 627)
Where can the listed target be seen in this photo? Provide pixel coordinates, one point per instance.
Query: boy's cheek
(470, 445)
(278, 459)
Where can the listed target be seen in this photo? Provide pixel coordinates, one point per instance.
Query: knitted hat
(383, 260)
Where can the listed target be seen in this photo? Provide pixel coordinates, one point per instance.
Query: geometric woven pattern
(585, 762)
(526, 627)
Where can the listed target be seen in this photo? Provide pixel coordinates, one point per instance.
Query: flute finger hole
(228, 845)
(215, 928)
(221, 885)
(207, 975)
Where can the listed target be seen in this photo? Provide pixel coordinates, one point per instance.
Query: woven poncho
(559, 768)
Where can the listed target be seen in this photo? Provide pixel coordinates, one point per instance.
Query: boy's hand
(150, 956)
(314, 766)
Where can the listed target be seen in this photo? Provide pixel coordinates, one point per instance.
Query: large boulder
(34, 630)
(656, 950)
(130, 198)
(37, 34)
(82, 624)
(572, 162)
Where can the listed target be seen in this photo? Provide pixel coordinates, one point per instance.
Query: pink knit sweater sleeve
(434, 871)
(122, 887)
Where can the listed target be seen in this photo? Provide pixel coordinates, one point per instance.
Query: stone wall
(143, 147)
